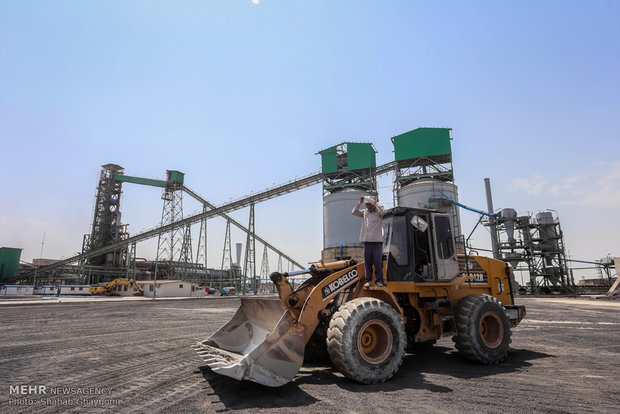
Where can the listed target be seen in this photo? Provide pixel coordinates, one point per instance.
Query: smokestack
(493, 226)
(239, 245)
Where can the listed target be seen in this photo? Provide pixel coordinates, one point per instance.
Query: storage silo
(340, 227)
(548, 244)
(348, 174)
(420, 192)
(547, 225)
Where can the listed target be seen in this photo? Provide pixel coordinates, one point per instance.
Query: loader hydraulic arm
(294, 300)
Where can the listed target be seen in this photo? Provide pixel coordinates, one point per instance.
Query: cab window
(445, 243)
(387, 233)
(395, 244)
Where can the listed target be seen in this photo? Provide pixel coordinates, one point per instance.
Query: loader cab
(418, 245)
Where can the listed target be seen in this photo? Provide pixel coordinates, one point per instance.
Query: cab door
(445, 252)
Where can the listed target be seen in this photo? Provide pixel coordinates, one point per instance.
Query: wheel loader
(114, 287)
(430, 292)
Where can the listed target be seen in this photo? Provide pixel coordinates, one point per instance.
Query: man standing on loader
(371, 236)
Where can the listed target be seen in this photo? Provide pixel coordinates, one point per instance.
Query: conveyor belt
(241, 226)
(291, 186)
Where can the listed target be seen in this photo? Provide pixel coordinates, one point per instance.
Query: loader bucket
(261, 343)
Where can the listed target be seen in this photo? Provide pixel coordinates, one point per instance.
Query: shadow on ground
(438, 360)
(238, 395)
(447, 361)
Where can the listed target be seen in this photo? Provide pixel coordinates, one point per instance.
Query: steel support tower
(186, 269)
(227, 261)
(249, 263)
(536, 245)
(106, 227)
(264, 270)
(201, 249)
(169, 242)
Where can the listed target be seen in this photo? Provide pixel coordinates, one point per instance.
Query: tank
(547, 231)
(9, 262)
(340, 227)
(512, 258)
(418, 193)
(545, 217)
(508, 217)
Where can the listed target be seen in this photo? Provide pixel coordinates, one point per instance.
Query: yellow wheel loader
(430, 292)
(116, 287)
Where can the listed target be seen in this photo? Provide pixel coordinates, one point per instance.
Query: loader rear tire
(366, 340)
(483, 329)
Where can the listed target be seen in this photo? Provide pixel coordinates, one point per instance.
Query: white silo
(340, 227)
(418, 193)
(349, 173)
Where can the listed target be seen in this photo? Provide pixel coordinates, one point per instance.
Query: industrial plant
(423, 177)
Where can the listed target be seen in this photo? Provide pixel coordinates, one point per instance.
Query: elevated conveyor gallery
(258, 197)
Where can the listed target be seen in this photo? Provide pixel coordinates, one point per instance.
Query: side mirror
(419, 223)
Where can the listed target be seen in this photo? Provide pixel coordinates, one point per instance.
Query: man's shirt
(372, 223)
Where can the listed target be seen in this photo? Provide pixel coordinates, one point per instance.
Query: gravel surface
(135, 356)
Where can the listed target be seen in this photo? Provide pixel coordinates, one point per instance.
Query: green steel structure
(423, 153)
(349, 165)
(9, 262)
(432, 144)
(138, 180)
(173, 179)
(348, 156)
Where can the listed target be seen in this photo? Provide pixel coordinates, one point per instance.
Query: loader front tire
(366, 340)
(483, 329)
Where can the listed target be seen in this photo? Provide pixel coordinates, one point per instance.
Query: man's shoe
(367, 285)
(380, 284)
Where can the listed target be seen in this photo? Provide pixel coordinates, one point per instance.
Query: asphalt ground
(134, 356)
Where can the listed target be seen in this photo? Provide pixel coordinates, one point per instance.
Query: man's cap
(370, 200)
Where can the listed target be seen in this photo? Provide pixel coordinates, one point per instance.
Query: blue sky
(240, 96)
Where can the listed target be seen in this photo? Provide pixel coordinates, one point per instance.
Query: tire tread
(338, 334)
(466, 340)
